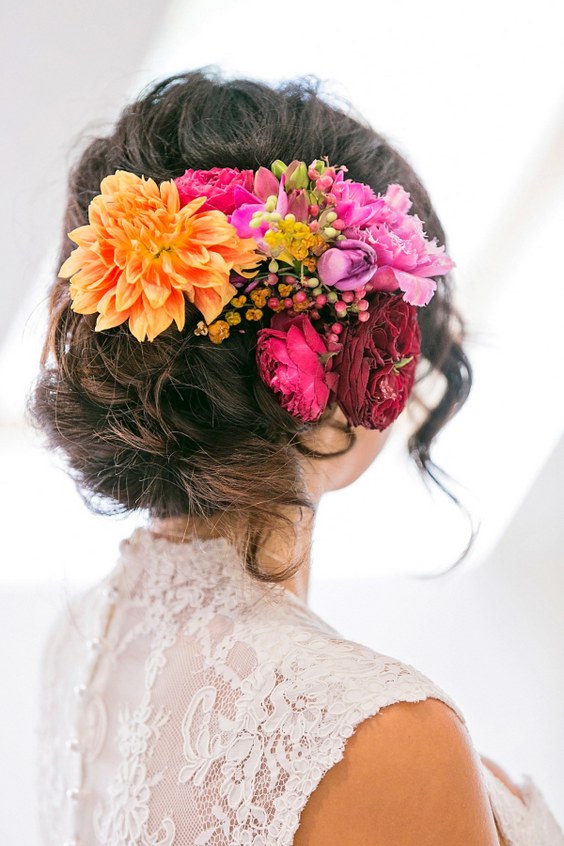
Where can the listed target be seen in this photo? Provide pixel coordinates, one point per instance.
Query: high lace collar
(212, 560)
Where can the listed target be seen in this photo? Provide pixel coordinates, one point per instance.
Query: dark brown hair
(181, 426)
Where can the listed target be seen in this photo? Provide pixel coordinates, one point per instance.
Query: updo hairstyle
(180, 426)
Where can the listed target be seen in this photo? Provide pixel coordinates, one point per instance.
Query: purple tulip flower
(348, 265)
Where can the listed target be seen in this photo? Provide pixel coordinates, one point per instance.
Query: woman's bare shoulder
(409, 775)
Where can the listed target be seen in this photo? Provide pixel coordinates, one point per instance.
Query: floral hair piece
(327, 273)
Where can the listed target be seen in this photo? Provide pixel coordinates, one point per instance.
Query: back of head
(180, 426)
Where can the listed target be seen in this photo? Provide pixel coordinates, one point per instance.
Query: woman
(251, 278)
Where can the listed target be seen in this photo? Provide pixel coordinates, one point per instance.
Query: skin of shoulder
(410, 776)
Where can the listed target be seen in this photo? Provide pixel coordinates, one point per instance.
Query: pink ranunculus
(217, 184)
(288, 359)
(348, 265)
(356, 203)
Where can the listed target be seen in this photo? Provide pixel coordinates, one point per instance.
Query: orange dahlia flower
(141, 254)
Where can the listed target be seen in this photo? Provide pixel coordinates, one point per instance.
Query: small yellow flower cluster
(218, 331)
(294, 238)
(260, 296)
(238, 302)
(285, 290)
(232, 317)
(310, 264)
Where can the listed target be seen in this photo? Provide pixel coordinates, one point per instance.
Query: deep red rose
(374, 377)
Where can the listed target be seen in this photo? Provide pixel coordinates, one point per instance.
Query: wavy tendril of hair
(180, 426)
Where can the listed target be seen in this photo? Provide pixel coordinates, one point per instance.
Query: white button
(94, 644)
(79, 690)
(73, 793)
(72, 744)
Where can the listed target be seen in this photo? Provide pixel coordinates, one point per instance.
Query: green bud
(332, 297)
(353, 307)
(331, 216)
(319, 165)
(275, 216)
(318, 290)
(312, 283)
(255, 223)
(296, 176)
(270, 204)
(273, 266)
(278, 168)
(341, 238)
(329, 232)
(290, 217)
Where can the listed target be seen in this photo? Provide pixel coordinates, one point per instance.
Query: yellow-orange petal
(138, 322)
(85, 302)
(169, 193)
(192, 207)
(84, 236)
(157, 295)
(156, 320)
(127, 293)
(211, 301)
(72, 264)
(110, 318)
(176, 308)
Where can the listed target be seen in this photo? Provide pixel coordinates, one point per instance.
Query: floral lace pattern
(528, 823)
(225, 701)
(123, 820)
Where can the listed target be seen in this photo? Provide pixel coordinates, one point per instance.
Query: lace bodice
(187, 705)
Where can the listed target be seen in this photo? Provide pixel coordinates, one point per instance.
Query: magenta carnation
(217, 184)
(289, 359)
(406, 258)
(356, 203)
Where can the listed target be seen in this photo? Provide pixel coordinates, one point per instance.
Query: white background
(473, 97)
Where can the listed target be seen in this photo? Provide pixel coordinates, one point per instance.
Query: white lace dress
(187, 705)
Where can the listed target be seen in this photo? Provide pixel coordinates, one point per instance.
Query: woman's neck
(273, 553)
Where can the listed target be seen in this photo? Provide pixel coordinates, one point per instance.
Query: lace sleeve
(522, 823)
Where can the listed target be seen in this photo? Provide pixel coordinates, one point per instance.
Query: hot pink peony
(217, 184)
(288, 358)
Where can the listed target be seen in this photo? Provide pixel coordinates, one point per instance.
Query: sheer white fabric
(185, 704)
